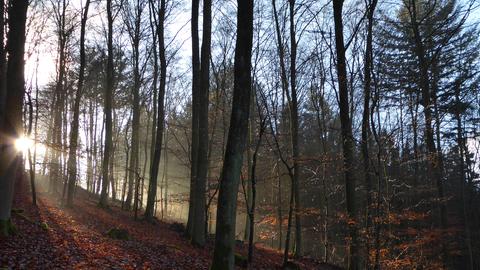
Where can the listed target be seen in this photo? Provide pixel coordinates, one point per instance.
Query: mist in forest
(317, 134)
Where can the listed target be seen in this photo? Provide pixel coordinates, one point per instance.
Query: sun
(23, 144)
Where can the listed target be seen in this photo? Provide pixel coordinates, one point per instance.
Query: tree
(152, 184)
(347, 135)
(366, 133)
(72, 157)
(59, 100)
(134, 31)
(195, 114)
(434, 168)
(108, 109)
(223, 257)
(199, 229)
(11, 126)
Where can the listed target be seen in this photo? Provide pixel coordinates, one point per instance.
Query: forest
(248, 134)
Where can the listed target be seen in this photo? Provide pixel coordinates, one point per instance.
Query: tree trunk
(223, 257)
(56, 162)
(31, 159)
(198, 237)
(133, 171)
(195, 115)
(366, 116)
(250, 135)
(462, 178)
(253, 180)
(294, 126)
(152, 184)
(108, 110)
(347, 136)
(12, 119)
(72, 157)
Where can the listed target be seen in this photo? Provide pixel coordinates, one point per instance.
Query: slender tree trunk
(294, 126)
(462, 178)
(108, 110)
(153, 26)
(279, 206)
(223, 257)
(250, 135)
(253, 180)
(347, 136)
(164, 204)
(152, 184)
(72, 157)
(366, 116)
(125, 178)
(29, 152)
(134, 160)
(198, 237)
(195, 115)
(56, 162)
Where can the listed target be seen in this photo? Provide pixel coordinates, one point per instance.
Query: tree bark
(294, 126)
(195, 115)
(199, 230)
(347, 136)
(366, 114)
(223, 256)
(12, 118)
(56, 160)
(108, 110)
(133, 171)
(152, 185)
(72, 156)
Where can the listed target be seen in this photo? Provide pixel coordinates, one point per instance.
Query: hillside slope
(51, 236)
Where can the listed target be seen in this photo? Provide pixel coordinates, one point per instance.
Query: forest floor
(53, 237)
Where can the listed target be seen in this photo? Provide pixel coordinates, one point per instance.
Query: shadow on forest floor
(52, 236)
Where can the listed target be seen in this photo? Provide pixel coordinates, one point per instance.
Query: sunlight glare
(22, 144)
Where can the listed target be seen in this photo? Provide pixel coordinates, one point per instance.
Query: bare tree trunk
(153, 26)
(294, 126)
(279, 206)
(366, 116)
(195, 115)
(250, 135)
(29, 152)
(134, 151)
(462, 178)
(12, 118)
(108, 110)
(56, 163)
(164, 204)
(223, 257)
(90, 139)
(347, 136)
(72, 157)
(198, 237)
(125, 178)
(253, 180)
(152, 184)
